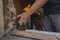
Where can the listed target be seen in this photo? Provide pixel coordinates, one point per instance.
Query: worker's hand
(24, 17)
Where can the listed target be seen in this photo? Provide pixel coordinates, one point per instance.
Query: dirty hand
(24, 17)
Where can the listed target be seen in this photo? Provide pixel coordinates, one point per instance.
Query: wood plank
(18, 6)
(37, 35)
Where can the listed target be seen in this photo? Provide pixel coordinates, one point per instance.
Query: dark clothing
(51, 15)
(52, 7)
(55, 1)
(52, 22)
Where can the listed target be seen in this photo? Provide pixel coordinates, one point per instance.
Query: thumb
(19, 15)
(20, 19)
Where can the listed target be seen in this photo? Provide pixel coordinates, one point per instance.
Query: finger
(18, 16)
(21, 21)
(21, 14)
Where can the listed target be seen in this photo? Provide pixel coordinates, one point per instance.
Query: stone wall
(7, 15)
(1, 19)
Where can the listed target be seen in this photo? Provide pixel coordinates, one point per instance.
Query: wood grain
(36, 35)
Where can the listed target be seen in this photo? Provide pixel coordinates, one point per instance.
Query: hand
(24, 17)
